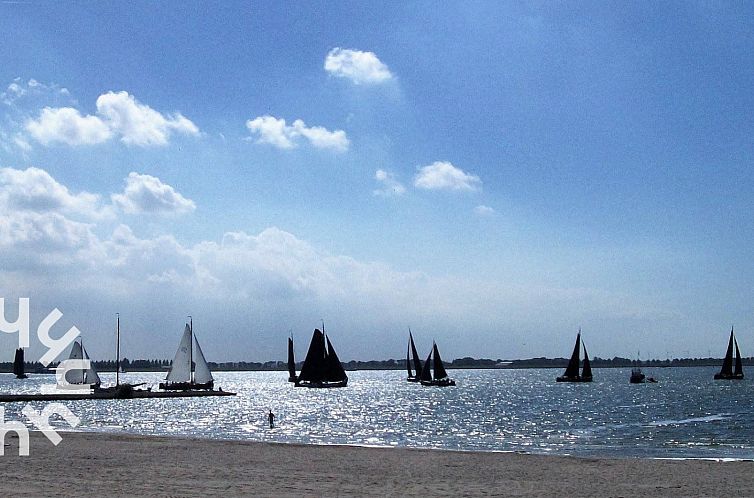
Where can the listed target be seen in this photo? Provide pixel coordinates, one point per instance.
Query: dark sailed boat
(726, 372)
(571, 373)
(291, 362)
(438, 376)
(321, 368)
(412, 355)
(18, 365)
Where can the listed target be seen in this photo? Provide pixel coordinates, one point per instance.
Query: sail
(739, 366)
(414, 355)
(78, 375)
(180, 369)
(75, 376)
(18, 363)
(586, 372)
(333, 368)
(727, 368)
(291, 360)
(573, 366)
(426, 373)
(202, 375)
(90, 375)
(440, 372)
(408, 357)
(313, 368)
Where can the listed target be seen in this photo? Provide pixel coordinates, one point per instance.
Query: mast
(439, 368)
(83, 370)
(426, 374)
(117, 351)
(727, 368)
(586, 371)
(191, 349)
(573, 365)
(408, 358)
(417, 361)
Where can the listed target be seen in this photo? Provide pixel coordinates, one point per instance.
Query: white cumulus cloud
(67, 125)
(357, 66)
(147, 194)
(442, 175)
(35, 190)
(274, 131)
(390, 186)
(118, 114)
(139, 124)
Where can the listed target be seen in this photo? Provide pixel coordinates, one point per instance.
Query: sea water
(685, 415)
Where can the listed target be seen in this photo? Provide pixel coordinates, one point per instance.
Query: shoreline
(120, 432)
(119, 464)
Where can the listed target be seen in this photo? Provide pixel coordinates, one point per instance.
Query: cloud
(89, 267)
(274, 131)
(442, 175)
(19, 89)
(34, 190)
(139, 124)
(66, 125)
(357, 66)
(390, 186)
(483, 210)
(147, 194)
(118, 114)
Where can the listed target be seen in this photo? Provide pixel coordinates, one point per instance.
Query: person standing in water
(271, 418)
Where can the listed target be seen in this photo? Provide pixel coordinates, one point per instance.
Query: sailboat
(571, 373)
(189, 370)
(291, 362)
(321, 368)
(80, 376)
(412, 355)
(637, 376)
(18, 364)
(438, 376)
(726, 372)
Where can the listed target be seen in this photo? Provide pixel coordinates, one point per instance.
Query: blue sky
(493, 174)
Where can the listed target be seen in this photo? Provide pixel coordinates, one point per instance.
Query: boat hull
(719, 376)
(186, 386)
(637, 377)
(292, 379)
(573, 379)
(322, 385)
(439, 383)
(413, 379)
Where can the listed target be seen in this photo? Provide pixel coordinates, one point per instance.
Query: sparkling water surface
(685, 415)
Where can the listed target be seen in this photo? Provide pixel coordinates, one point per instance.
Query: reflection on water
(686, 415)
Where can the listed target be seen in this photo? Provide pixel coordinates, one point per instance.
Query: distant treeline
(597, 362)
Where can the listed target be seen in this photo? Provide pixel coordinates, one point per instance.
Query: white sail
(78, 375)
(202, 375)
(90, 376)
(75, 376)
(180, 369)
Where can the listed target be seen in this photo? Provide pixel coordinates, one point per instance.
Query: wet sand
(87, 464)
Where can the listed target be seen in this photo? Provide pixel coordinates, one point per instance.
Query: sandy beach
(87, 464)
